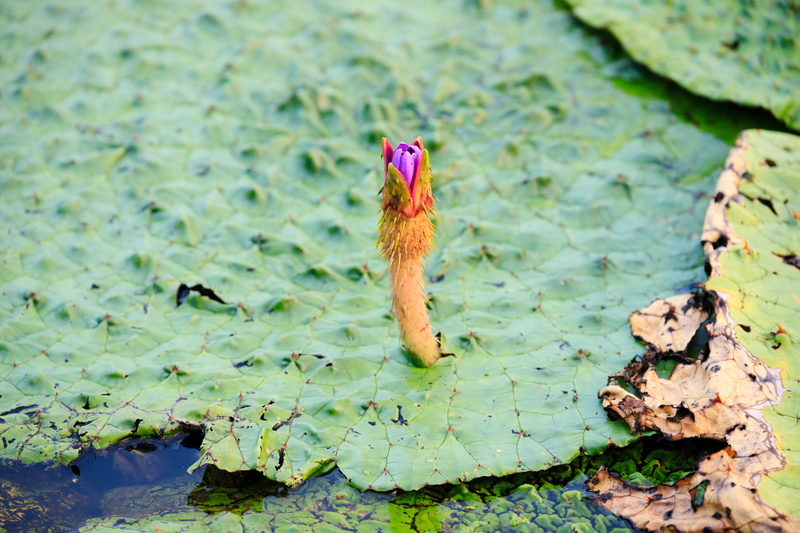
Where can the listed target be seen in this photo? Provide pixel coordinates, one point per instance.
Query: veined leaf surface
(744, 52)
(235, 148)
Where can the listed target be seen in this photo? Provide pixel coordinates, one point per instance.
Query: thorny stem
(404, 243)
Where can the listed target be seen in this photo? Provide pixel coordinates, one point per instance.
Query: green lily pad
(744, 52)
(158, 155)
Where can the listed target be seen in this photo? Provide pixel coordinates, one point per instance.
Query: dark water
(129, 478)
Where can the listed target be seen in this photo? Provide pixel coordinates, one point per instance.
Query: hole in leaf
(790, 259)
(768, 202)
(698, 494)
(184, 290)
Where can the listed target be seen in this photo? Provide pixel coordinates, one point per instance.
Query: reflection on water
(143, 485)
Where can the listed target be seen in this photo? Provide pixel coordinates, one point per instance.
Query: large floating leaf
(745, 52)
(160, 154)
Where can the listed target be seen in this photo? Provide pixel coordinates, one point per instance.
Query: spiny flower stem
(405, 233)
(404, 243)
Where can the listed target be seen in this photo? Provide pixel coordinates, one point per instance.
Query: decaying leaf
(669, 324)
(722, 393)
(717, 496)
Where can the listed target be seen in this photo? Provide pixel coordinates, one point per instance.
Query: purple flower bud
(407, 185)
(407, 167)
(396, 158)
(405, 159)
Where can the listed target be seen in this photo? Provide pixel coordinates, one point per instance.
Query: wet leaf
(745, 52)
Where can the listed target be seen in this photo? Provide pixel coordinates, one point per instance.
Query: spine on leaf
(405, 234)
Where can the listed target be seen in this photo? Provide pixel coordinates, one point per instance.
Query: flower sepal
(422, 193)
(396, 195)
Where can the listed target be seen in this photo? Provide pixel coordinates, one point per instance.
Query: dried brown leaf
(716, 396)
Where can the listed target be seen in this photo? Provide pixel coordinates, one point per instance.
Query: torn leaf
(727, 393)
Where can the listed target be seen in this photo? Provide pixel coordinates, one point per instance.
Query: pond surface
(143, 485)
(140, 485)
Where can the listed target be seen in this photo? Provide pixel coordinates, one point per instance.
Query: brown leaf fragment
(712, 422)
(718, 231)
(669, 324)
(720, 496)
(729, 376)
(716, 398)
